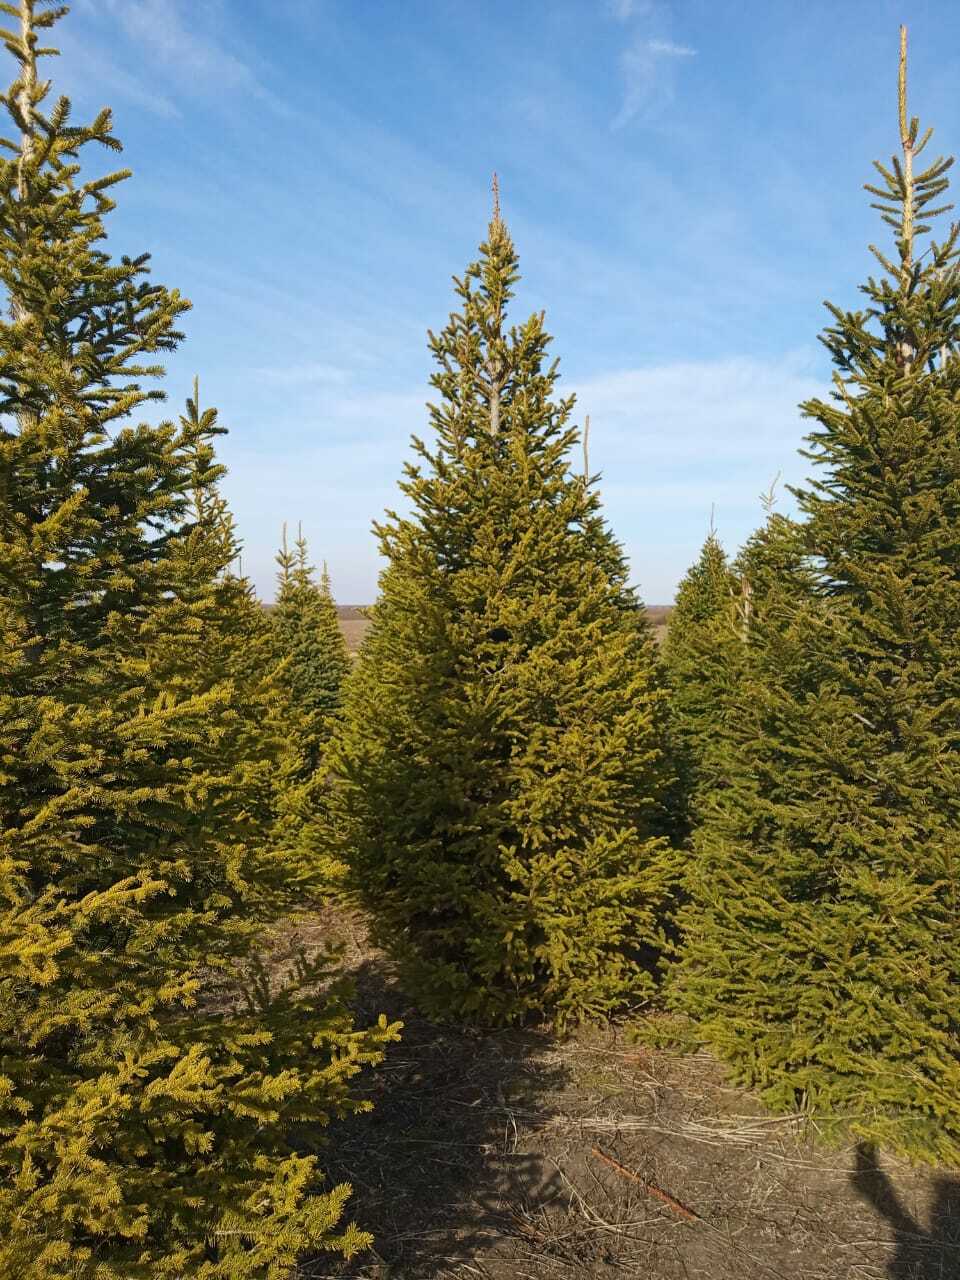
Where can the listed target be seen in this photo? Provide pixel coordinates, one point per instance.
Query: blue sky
(683, 181)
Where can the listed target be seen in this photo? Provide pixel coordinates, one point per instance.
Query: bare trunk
(494, 408)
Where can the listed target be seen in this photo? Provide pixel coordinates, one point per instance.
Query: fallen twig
(650, 1187)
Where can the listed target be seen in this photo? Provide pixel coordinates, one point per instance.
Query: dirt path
(510, 1155)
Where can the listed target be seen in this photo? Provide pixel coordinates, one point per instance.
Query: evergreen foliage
(151, 1072)
(310, 643)
(822, 948)
(501, 769)
(701, 655)
(771, 570)
(309, 647)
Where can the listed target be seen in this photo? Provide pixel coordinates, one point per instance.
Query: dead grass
(510, 1154)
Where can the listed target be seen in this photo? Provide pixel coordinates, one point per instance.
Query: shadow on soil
(929, 1252)
(435, 1170)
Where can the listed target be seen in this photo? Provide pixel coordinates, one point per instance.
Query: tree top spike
(496, 198)
(902, 86)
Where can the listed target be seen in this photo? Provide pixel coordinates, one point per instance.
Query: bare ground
(511, 1154)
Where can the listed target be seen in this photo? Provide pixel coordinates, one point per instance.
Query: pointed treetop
(905, 137)
(304, 568)
(285, 560)
(497, 233)
(768, 499)
(904, 195)
(908, 135)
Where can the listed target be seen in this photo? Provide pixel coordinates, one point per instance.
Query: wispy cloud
(668, 49)
(676, 439)
(670, 441)
(172, 33)
(624, 10)
(713, 413)
(649, 75)
(309, 374)
(99, 76)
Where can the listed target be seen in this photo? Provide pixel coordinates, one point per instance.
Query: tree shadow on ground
(436, 1171)
(929, 1252)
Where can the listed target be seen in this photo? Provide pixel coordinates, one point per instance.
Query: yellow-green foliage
(311, 646)
(822, 955)
(312, 659)
(152, 1079)
(501, 769)
(701, 655)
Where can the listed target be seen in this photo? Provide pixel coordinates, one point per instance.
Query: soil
(511, 1154)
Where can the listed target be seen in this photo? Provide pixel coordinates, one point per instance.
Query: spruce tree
(152, 1073)
(501, 767)
(700, 654)
(310, 644)
(309, 647)
(822, 944)
(771, 569)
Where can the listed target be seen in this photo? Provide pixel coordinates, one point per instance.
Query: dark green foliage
(772, 569)
(701, 654)
(309, 647)
(310, 643)
(501, 767)
(823, 950)
(151, 1076)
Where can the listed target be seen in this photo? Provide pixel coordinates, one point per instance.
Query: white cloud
(674, 440)
(170, 31)
(311, 373)
(98, 76)
(668, 49)
(717, 412)
(649, 75)
(626, 10)
(670, 441)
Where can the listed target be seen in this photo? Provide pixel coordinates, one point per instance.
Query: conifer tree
(310, 643)
(771, 570)
(152, 1074)
(309, 647)
(700, 655)
(822, 944)
(501, 767)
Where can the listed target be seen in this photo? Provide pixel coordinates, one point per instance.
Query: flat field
(354, 622)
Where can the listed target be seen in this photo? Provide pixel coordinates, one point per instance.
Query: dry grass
(510, 1154)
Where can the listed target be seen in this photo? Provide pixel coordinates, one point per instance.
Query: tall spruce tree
(822, 944)
(700, 653)
(310, 644)
(771, 570)
(152, 1077)
(501, 766)
(310, 649)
